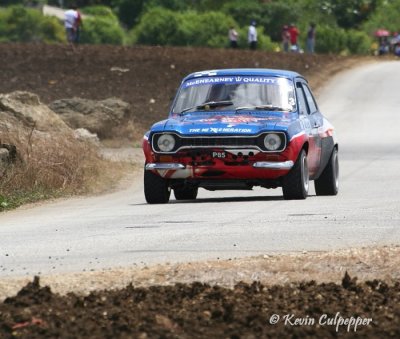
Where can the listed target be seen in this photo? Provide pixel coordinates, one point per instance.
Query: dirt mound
(145, 77)
(371, 309)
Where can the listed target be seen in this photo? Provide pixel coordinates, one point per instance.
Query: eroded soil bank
(238, 298)
(370, 310)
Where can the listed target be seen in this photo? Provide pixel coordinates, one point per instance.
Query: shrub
(330, 39)
(102, 11)
(101, 27)
(3, 26)
(158, 26)
(265, 43)
(101, 30)
(52, 30)
(358, 42)
(337, 40)
(20, 24)
(204, 29)
(161, 26)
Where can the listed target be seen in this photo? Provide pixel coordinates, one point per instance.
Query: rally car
(239, 128)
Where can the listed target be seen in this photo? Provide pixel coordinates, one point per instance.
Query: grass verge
(54, 165)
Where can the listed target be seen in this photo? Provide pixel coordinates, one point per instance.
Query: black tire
(295, 184)
(185, 193)
(156, 189)
(328, 181)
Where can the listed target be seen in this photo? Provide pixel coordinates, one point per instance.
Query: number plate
(219, 155)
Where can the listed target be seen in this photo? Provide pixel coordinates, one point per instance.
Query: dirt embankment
(230, 299)
(196, 310)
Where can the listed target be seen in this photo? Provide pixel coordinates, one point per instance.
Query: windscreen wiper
(261, 107)
(208, 104)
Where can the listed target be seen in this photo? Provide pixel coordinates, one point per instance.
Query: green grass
(19, 198)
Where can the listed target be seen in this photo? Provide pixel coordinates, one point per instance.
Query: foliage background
(343, 26)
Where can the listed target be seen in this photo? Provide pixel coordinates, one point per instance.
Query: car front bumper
(271, 165)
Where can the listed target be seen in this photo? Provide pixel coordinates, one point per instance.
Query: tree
(351, 13)
(10, 2)
(244, 11)
(129, 11)
(386, 16)
(278, 14)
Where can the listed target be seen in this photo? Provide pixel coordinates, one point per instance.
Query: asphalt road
(120, 229)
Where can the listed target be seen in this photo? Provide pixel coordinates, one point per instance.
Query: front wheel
(185, 193)
(156, 189)
(328, 181)
(295, 183)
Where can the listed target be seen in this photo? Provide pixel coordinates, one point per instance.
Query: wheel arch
(305, 147)
(327, 147)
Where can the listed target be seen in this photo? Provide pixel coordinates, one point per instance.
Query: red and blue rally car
(240, 128)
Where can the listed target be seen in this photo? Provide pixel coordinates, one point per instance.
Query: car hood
(225, 123)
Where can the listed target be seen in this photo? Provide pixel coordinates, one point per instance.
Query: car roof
(244, 72)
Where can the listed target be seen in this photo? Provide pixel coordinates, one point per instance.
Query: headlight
(272, 142)
(166, 143)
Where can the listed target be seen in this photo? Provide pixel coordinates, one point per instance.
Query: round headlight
(166, 143)
(272, 142)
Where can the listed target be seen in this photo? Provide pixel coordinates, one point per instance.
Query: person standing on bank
(311, 38)
(252, 35)
(71, 20)
(294, 33)
(285, 38)
(233, 37)
(79, 24)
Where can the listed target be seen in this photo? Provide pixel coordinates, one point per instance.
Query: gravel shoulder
(284, 268)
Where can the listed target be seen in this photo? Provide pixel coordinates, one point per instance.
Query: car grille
(232, 142)
(218, 141)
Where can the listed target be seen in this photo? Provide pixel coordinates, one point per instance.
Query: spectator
(397, 50)
(233, 37)
(285, 38)
(383, 46)
(71, 18)
(79, 24)
(252, 36)
(311, 38)
(294, 33)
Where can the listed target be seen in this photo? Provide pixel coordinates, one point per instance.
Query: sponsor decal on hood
(198, 123)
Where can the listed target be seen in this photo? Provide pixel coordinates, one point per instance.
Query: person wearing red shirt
(294, 33)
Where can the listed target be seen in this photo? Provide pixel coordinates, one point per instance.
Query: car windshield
(235, 93)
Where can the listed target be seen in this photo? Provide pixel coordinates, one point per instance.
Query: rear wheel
(185, 193)
(295, 184)
(156, 189)
(328, 182)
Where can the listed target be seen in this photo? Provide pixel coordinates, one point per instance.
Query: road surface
(120, 229)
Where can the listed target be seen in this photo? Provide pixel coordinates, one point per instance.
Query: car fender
(147, 147)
